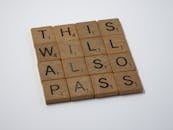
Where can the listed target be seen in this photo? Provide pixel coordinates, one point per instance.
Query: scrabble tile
(115, 44)
(56, 91)
(43, 35)
(66, 32)
(128, 82)
(104, 85)
(98, 64)
(46, 52)
(122, 62)
(110, 27)
(51, 70)
(87, 29)
(74, 67)
(85, 60)
(80, 88)
(93, 46)
(70, 49)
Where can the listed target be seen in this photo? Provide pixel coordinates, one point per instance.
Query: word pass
(85, 60)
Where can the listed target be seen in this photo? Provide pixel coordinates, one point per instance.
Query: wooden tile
(87, 29)
(51, 70)
(115, 44)
(121, 62)
(80, 88)
(110, 27)
(128, 82)
(43, 35)
(98, 64)
(56, 91)
(70, 49)
(93, 46)
(104, 85)
(66, 32)
(74, 67)
(46, 52)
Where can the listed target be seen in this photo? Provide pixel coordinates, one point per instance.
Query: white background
(148, 26)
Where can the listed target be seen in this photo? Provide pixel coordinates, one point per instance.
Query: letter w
(46, 50)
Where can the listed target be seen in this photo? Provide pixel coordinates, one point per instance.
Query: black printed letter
(129, 81)
(79, 86)
(53, 88)
(110, 26)
(65, 31)
(102, 80)
(119, 59)
(98, 63)
(49, 69)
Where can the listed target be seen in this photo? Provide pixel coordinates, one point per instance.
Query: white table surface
(148, 25)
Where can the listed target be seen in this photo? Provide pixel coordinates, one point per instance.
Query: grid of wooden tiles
(85, 60)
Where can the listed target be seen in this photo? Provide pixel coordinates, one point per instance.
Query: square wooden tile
(115, 44)
(51, 70)
(98, 64)
(74, 67)
(70, 49)
(43, 35)
(104, 85)
(110, 27)
(93, 46)
(56, 91)
(128, 82)
(87, 29)
(121, 62)
(46, 52)
(80, 88)
(66, 32)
